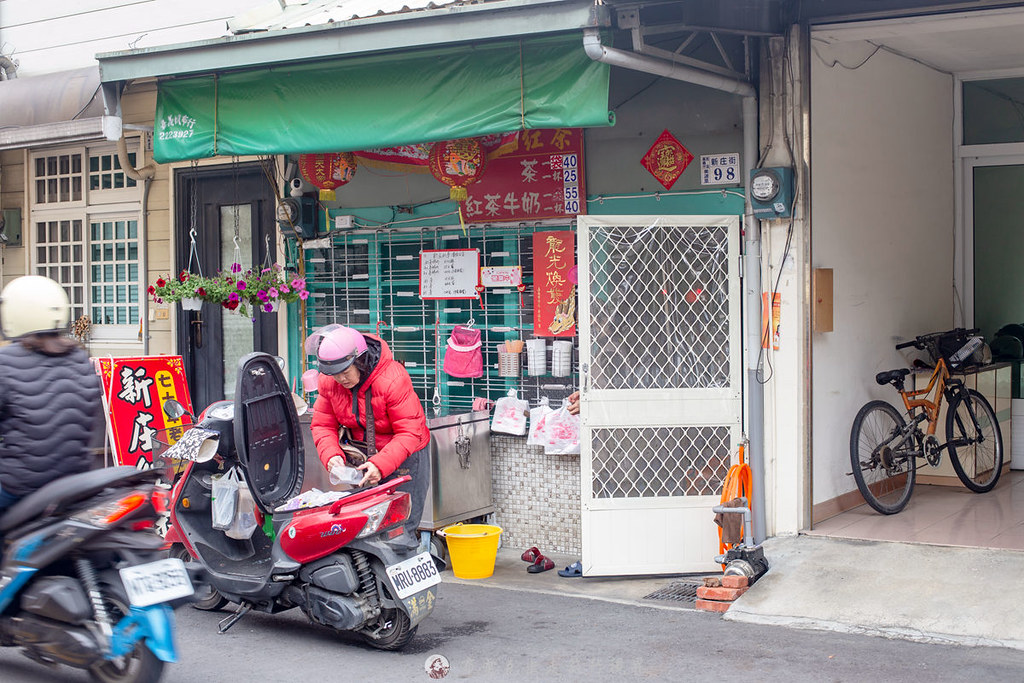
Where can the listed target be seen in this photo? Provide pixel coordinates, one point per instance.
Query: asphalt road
(501, 635)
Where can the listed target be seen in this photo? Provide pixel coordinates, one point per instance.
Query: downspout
(144, 175)
(752, 237)
(8, 68)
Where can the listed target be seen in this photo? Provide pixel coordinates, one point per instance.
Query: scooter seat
(67, 490)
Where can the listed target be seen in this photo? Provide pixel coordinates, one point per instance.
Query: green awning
(383, 100)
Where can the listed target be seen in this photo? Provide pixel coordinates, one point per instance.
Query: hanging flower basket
(236, 291)
(191, 303)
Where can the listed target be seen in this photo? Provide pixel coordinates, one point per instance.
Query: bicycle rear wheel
(976, 452)
(882, 457)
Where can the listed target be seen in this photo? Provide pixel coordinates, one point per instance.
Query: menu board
(134, 391)
(543, 178)
(449, 273)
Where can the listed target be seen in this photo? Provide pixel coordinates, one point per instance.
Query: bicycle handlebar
(923, 340)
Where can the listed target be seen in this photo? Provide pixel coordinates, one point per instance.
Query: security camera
(296, 185)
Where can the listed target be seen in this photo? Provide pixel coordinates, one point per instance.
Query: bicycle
(886, 449)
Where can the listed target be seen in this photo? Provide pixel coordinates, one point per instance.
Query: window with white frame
(86, 236)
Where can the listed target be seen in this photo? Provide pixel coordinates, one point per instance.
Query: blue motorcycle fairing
(154, 623)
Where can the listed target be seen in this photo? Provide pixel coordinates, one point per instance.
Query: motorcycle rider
(354, 366)
(50, 410)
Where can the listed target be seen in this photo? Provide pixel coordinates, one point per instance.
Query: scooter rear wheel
(396, 635)
(207, 597)
(138, 666)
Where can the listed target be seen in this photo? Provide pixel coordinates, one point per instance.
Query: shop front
(641, 313)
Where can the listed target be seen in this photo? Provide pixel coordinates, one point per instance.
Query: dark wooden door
(232, 208)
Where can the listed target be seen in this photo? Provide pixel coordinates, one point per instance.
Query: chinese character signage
(543, 178)
(720, 169)
(554, 284)
(134, 391)
(667, 159)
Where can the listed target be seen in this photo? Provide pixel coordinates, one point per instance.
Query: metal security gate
(660, 367)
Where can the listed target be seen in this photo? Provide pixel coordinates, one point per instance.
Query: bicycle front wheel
(975, 441)
(881, 452)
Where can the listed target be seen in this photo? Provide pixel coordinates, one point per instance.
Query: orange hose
(738, 483)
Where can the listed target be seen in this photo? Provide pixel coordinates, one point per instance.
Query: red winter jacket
(399, 423)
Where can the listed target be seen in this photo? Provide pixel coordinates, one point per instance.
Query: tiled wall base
(536, 496)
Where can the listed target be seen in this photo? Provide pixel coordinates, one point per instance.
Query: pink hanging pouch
(463, 356)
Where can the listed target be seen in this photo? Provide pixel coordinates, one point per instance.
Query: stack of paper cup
(1017, 437)
(561, 358)
(536, 356)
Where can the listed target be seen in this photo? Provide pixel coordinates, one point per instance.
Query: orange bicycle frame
(937, 382)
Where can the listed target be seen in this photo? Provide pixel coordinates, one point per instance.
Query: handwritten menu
(449, 273)
(543, 178)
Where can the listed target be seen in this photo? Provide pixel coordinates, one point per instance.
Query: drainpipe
(145, 176)
(752, 237)
(8, 68)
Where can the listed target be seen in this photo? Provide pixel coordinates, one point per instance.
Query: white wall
(882, 218)
(55, 35)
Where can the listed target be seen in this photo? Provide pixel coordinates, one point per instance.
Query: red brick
(711, 593)
(734, 581)
(713, 606)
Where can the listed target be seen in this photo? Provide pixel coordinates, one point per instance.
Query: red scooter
(349, 565)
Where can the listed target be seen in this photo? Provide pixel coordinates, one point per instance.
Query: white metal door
(660, 369)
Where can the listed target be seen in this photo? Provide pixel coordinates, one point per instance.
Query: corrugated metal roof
(284, 14)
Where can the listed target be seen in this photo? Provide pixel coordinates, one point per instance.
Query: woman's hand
(372, 476)
(574, 403)
(336, 461)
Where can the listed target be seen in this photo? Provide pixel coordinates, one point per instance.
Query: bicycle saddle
(888, 376)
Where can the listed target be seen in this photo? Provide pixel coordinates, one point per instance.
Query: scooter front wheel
(396, 633)
(207, 597)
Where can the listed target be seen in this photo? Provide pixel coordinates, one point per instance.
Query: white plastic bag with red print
(538, 423)
(510, 415)
(562, 432)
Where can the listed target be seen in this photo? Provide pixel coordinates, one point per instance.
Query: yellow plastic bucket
(473, 548)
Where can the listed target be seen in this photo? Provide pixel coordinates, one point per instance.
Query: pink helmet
(336, 347)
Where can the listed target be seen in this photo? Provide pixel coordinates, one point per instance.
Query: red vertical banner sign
(134, 391)
(554, 288)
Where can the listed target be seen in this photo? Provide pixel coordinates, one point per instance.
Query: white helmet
(33, 303)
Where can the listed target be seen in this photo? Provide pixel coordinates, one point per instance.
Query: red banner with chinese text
(543, 178)
(554, 286)
(134, 390)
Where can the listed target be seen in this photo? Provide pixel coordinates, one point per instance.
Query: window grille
(81, 243)
(370, 280)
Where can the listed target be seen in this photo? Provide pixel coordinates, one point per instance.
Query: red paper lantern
(458, 163)
(328, 171)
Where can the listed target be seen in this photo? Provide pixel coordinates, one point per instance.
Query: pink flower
(233, 297)
(284, 289)
(268, 307)
(241, 285)
(236, 267)
(273, 293)
(298, 283)
(303, 295)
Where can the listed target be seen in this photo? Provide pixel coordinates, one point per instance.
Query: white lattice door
(660, 368)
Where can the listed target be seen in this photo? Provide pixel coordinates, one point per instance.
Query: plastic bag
(510, 415)
(463, 356)
(244, 522)
(224, 498)
(538, 423)
(562, 432)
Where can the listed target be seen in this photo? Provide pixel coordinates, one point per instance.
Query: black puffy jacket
(50, 411)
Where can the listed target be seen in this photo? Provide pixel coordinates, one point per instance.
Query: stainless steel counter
(460, 469)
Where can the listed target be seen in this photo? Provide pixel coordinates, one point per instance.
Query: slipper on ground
(574, 570)
(542, 564)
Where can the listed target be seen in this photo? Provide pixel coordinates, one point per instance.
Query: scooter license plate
(156, 582)
(413, 575)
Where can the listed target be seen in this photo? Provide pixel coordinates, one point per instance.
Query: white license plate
(155, 582)
(413, 575)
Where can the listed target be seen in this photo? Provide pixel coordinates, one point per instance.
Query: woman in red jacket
(363, 388)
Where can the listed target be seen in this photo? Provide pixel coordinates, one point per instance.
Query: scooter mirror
(173, 409)
(301, 407)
